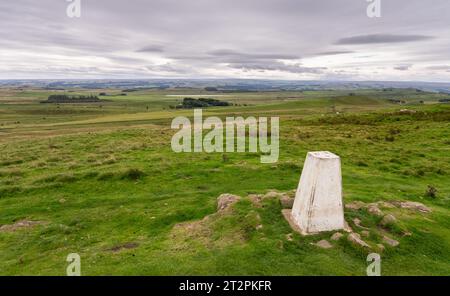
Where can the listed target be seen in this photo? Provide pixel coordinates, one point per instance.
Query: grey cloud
(255, 56)
(278, 66)
(403, 67)
(442, 67)
(336, 52)
(151, 48)
(381, 38)
(221, 37)
(127, 60)
(230, 56)
(168, 67)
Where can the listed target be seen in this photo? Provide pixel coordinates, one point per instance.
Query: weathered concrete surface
(318, 202)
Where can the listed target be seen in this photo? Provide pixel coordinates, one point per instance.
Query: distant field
(101, 180)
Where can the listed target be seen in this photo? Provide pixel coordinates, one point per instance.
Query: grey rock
(416, 206)
(355, 205)
(356, 239)
(337, 236)
(324, 244)
(389, 219)
(357, 222)
(272, 194)
(374, 210)
(391, 242)
(286, 202)
(347, 227)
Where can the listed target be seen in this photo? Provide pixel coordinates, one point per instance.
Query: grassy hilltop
(100, 179)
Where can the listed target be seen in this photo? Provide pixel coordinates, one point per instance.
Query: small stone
(416, 206)
(324, 244)
(255, 196)
(385, 204)
(62, 200)
(258, 227)
(365, 233)
(286, 202)
(356, 205)
(337, 236)
(356, 239)
(272, 194)
(347, 227)
(389, 219)
(381, 247)
(407, 233)
(290, 237)
(358, 223)
(225, 200)
(374, 210)
(391, 242)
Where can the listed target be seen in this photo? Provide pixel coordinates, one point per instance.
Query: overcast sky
(274, 39)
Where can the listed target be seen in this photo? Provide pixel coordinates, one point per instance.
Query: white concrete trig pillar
(318, 202)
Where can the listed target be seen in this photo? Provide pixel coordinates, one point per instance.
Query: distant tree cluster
(210, 88)
(104, 94)
(396, 101)
(72, 99)
(190, 103)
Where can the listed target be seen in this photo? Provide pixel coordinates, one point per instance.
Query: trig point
(318, 201)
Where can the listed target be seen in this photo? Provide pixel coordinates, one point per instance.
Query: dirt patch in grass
(22, 224)
(126, 246)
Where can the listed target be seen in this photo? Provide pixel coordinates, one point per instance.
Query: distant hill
(226, 85)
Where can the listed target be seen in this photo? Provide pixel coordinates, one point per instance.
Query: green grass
(99, 178)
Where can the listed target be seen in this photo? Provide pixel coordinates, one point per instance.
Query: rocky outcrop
(224, 201)
(415, 206)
